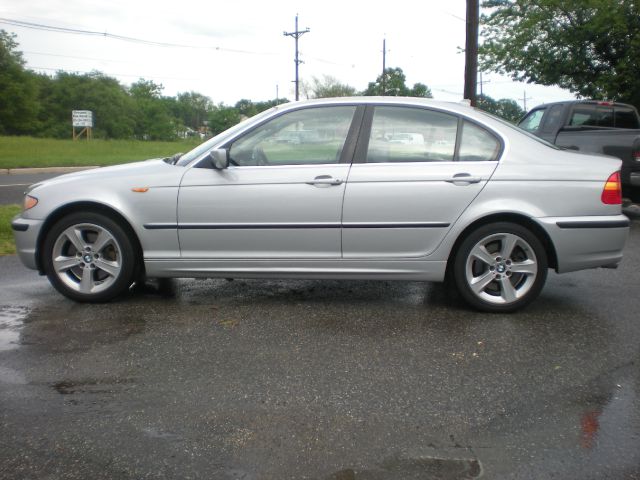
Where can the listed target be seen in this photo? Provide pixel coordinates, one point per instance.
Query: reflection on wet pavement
(326, 380)
(11, 320)
(420, 468)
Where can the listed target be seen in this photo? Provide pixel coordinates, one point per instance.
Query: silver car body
(367, 221)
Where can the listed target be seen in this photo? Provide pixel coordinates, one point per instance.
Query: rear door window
(402, 134)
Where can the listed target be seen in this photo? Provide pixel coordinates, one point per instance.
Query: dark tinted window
(553, 119)
(626, 118)
(592, 116)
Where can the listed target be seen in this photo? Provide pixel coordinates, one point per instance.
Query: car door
(414, 173)
(281, 196)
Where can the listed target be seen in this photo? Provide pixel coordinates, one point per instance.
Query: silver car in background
(351, 188)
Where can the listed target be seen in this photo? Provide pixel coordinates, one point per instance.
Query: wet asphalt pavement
(12, 187)
(322, 380)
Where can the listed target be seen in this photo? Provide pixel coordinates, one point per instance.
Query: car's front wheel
(500, 267)
(88, 257)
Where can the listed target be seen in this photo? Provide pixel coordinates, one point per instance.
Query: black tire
(103, 272)
(490, 282)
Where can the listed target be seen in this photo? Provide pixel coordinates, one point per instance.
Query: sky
(236, 49)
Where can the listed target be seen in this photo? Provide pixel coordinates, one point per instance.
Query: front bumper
(26, 233)
(587, 242)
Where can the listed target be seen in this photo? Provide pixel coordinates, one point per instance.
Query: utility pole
(296, 35)
(481, 83)
(471, 51)
(524, 100)
(384, 66)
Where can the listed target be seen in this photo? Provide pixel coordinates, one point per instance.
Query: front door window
(312, 136)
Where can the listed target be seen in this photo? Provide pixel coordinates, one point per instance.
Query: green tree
(192, 108)
(394, 83)
(327, 87)
(154, 120)
(222, 117)
(114, 110)
(267, 104)
(246, 108)
(503, 108)
(146, 89)
(18, 90)
(590, 47)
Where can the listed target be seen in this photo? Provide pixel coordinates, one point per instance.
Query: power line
(481, 83)
(75, 31)
(296, 35)
(84, 72)
(46, 54)
(524, 100)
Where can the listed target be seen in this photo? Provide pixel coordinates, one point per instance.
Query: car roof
(460, 107)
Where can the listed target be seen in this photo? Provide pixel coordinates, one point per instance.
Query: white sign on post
(82, 118)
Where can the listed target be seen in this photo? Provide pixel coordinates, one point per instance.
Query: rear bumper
(587, 242)
(26, 232)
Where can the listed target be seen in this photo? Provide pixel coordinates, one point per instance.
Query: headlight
(29, 202)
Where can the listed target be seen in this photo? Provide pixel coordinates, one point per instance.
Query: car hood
(154, 171)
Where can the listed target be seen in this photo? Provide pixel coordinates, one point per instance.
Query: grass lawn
(7, 212)
(16, 152)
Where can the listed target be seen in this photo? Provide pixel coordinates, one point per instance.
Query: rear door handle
(463, 179)
(324, 181)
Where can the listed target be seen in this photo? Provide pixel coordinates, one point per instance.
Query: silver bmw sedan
(350, 188)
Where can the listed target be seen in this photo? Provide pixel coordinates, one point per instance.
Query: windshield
(209, 144)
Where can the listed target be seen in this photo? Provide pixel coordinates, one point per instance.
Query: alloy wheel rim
(87, 258)
(501, 268)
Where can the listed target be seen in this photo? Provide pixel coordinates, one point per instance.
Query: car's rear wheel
(500, 267)
(89, 257)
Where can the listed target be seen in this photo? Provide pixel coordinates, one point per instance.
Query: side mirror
(219, 158)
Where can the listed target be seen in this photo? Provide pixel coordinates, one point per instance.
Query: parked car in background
(608, 128)
(477, 201)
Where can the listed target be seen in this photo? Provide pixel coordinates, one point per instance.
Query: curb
(31, 171)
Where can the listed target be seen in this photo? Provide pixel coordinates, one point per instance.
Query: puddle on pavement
(11, 322)
(102, 385)
(415, 468)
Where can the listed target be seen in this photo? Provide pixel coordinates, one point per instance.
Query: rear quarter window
(477, 144)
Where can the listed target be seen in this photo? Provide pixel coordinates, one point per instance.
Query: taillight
(636, 155)
(612, 191)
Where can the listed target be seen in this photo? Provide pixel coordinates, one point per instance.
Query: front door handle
(461, 179)
(324, 181)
